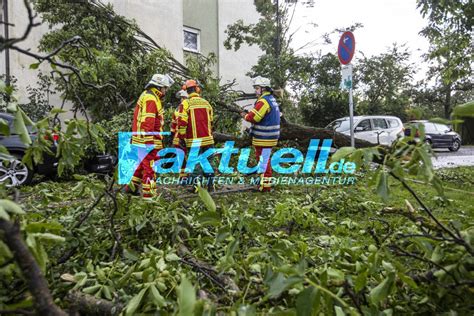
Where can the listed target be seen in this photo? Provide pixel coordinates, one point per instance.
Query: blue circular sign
(346, 48)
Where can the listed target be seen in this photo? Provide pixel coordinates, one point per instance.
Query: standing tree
(279, 61)
(384, 81)
(323, 101)
(449, 31)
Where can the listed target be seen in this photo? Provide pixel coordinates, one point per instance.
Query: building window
(192, 40)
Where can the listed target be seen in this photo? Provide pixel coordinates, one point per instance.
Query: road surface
(447, 159)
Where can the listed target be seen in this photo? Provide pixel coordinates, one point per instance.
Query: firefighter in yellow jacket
(147, 127)
(195, 118)
(195, 122)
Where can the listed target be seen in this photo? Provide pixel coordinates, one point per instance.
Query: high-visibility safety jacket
(265, 119)
(195, 121)
(148, 118)
(174, 125)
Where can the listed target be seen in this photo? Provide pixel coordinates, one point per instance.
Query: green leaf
(388, 266)
(186, 297)
(91, 289)
(57, 111)
(20, 128)
(357, 158)
(157, 298)
(381, 291)
(437, 254)
(34, 66)
(281, 283)
(341, 153)
(5, 252)
(135, 302)
(4, 127)
(38, 227)
(172, 257)
(11, 207)
(107, 292)
(407, 280)
(49, 236)
(207, 199)
(335, 274)
(339, 311)
(4, 214)
(12, 108)
(382, 185)
(360, 281)
(26, 119)
(209, 218)
(305, 302)
(230, 250)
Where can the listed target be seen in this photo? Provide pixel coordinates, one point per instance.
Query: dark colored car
(15, 172)
(437, 135)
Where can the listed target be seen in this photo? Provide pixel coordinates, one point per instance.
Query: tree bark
(84, 304)
(37, 285)
(301, 135)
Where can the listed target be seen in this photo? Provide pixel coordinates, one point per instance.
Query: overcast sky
(385, 22)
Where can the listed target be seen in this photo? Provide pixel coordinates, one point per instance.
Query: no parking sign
(346, 48)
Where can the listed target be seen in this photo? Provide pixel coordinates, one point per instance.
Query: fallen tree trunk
(301, 135)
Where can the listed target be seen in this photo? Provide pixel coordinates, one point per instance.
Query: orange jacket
(195, 121)
(148, 118)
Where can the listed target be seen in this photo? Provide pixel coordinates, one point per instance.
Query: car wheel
(456, 145)
(15, 173)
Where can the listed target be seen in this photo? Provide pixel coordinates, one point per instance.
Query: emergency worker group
(192, 126)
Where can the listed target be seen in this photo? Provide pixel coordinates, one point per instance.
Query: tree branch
(37, 284)
(455, 238)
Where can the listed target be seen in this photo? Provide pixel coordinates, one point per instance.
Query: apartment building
(182, 26)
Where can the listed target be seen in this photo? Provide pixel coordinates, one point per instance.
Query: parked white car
(377, 129)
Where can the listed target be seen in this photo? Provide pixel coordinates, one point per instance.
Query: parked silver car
(377, 129)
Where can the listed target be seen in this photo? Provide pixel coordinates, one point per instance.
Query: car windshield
(339, 125)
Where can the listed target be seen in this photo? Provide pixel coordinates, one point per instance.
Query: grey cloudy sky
(385, 22)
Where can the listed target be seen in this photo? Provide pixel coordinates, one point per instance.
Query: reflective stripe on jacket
(148, 118)
(265, 117)
(195, 121)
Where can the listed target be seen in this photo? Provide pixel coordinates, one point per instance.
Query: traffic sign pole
(345, 52)
(351, 117)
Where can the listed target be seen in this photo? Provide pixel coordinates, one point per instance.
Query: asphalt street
(447, 159)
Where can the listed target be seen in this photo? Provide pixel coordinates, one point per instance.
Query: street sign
(345, 52)
(346, 48)
(346, 75)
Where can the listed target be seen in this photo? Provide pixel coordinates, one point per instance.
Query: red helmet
(191, 83)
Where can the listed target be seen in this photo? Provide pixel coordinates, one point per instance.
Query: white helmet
(160, 80)
(181, 94)
(261, 81)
